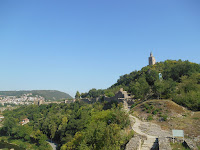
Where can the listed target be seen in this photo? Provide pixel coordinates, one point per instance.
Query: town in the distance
(15, 98)
(25, 99)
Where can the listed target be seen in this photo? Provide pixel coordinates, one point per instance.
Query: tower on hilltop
(152, 59)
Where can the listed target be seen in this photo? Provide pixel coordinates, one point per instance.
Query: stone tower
(152, 59)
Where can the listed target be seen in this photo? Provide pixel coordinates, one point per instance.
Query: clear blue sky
(83, 44)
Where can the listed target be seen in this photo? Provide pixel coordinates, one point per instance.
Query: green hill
(47, 94)
(180, 82)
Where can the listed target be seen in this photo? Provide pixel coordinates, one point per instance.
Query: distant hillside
(47, 94)
(179, 81)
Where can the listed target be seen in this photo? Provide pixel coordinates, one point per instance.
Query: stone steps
(149, 144)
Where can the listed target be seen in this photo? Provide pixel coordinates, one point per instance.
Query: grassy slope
(178, 117)
(178, 146)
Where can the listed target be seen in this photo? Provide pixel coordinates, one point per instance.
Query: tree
(78, 95)
(22, 132)
(140, 88)
(84, 95)
(159, 88)
(9, 124)
(151, 76)
(39, 136)
(112, 137)
(110, 94)
(53, 129)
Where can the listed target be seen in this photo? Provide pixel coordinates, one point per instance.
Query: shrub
(133, 105)
(164, 117)
(154, 112)
(149, 118)
(146, 106)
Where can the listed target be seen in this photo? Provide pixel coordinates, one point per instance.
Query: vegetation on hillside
(47, 94)
(169, 115)
(180, 82)
(72, 126)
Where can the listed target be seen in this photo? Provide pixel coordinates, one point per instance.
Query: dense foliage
(92, 93)
(47, 94)
(72, 126)
(180, 82)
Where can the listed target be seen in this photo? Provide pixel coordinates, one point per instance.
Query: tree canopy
(72, 126)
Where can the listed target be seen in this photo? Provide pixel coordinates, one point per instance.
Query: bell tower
(152, 59)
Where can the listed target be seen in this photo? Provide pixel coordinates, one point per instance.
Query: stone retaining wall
(164, 143)
(134, 143)
(191, 144)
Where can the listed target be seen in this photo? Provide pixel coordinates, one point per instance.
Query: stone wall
(90, 100)
(191, 144)
(134, 143)
(187, 142)
(164, 143)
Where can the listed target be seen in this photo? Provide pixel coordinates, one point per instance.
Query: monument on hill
(152, 59)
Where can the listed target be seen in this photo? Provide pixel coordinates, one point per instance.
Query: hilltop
(47, 94)
(176, 80)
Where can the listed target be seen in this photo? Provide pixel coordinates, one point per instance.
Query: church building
(152, 59)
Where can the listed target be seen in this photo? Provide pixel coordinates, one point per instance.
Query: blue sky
(79, 45)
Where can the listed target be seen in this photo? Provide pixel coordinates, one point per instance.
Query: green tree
(53, 129)
(159, 88)
(84, 95)
(9, 124)
(22, 132)
(110, 94)
(77, 96)
(39, 137)
(140, 88)
(151, 76)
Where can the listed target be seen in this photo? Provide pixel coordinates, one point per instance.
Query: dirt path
(149, 130)
(150, 141)
(136, 127)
